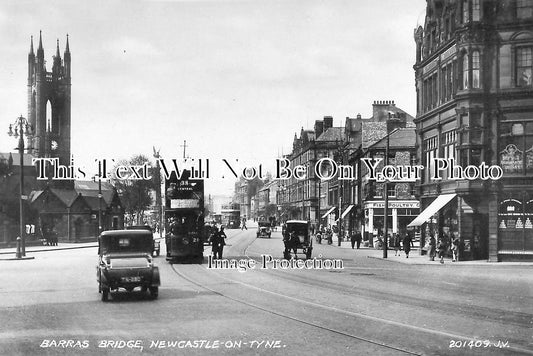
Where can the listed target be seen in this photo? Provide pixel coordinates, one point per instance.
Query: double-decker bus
(184, 218)
(231, 216)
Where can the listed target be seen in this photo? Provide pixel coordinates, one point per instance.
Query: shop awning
(328, 212)
(437, 204)
(347, 211)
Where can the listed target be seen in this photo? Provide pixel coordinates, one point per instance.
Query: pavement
(415, 258)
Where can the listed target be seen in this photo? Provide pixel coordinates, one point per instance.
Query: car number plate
(131, 279)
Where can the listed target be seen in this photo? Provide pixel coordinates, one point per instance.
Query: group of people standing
(441, 248)
(398, 241)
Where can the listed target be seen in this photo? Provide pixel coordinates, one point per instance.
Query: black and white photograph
(266, 177)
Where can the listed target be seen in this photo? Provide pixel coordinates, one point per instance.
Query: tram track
(514, 318)
(241, 249)
(522, 320)
(284, 316)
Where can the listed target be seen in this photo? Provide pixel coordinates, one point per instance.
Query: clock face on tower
(53, 145)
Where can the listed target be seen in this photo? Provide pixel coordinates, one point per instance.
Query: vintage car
(125, 261)
(157, 245)
(263, 229)
(296, 236)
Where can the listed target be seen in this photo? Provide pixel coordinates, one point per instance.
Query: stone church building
(74, 210)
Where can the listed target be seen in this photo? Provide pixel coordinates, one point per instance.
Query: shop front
(450, 216)
(401, 213)
(515, 228)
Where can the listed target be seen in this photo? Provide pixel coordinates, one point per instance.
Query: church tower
(49, 101)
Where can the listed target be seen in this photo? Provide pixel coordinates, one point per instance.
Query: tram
(184, 218)
(231, 216)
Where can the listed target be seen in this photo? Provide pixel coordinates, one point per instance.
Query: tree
(135, 194)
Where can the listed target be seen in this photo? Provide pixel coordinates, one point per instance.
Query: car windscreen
(126, 243)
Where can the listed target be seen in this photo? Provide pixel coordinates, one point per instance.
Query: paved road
(50, 305)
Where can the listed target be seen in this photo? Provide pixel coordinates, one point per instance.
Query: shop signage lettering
(394, 205)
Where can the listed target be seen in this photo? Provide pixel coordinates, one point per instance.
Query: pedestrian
(455, 248)
(396, 244)
(358, 238)
(353, 239)
(432, 248)
(243, 226)
(218, 242)
(407, 243)
(442, 249)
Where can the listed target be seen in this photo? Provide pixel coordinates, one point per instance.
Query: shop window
(524, 9)
(515, 223)
(524, 64)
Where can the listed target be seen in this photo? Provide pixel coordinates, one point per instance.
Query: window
(524, 64)
(524, 9)
(465, 71)
(516, 147)
(449, 139)
(476, 80)
(466, 16)
(476, 11)
(430, 152)
(391, 190)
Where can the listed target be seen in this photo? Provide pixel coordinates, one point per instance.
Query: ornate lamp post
(20, 128)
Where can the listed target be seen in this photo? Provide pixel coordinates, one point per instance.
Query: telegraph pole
(184, 146)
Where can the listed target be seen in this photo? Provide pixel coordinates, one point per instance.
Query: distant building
(403, 205)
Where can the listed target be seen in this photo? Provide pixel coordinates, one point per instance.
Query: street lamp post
(99, 198)
(21, 127)
(386, 210)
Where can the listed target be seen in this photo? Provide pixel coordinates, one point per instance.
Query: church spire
(57, 49)
(31, 46)
(67, 48)
(40, 50)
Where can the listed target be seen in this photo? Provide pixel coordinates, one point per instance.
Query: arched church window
(49, 127)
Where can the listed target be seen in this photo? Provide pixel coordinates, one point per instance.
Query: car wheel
(154, 292)
(105, 294)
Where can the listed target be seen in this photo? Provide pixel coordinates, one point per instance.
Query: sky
(236, 79)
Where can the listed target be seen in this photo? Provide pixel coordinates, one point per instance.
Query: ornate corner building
(474, 88)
